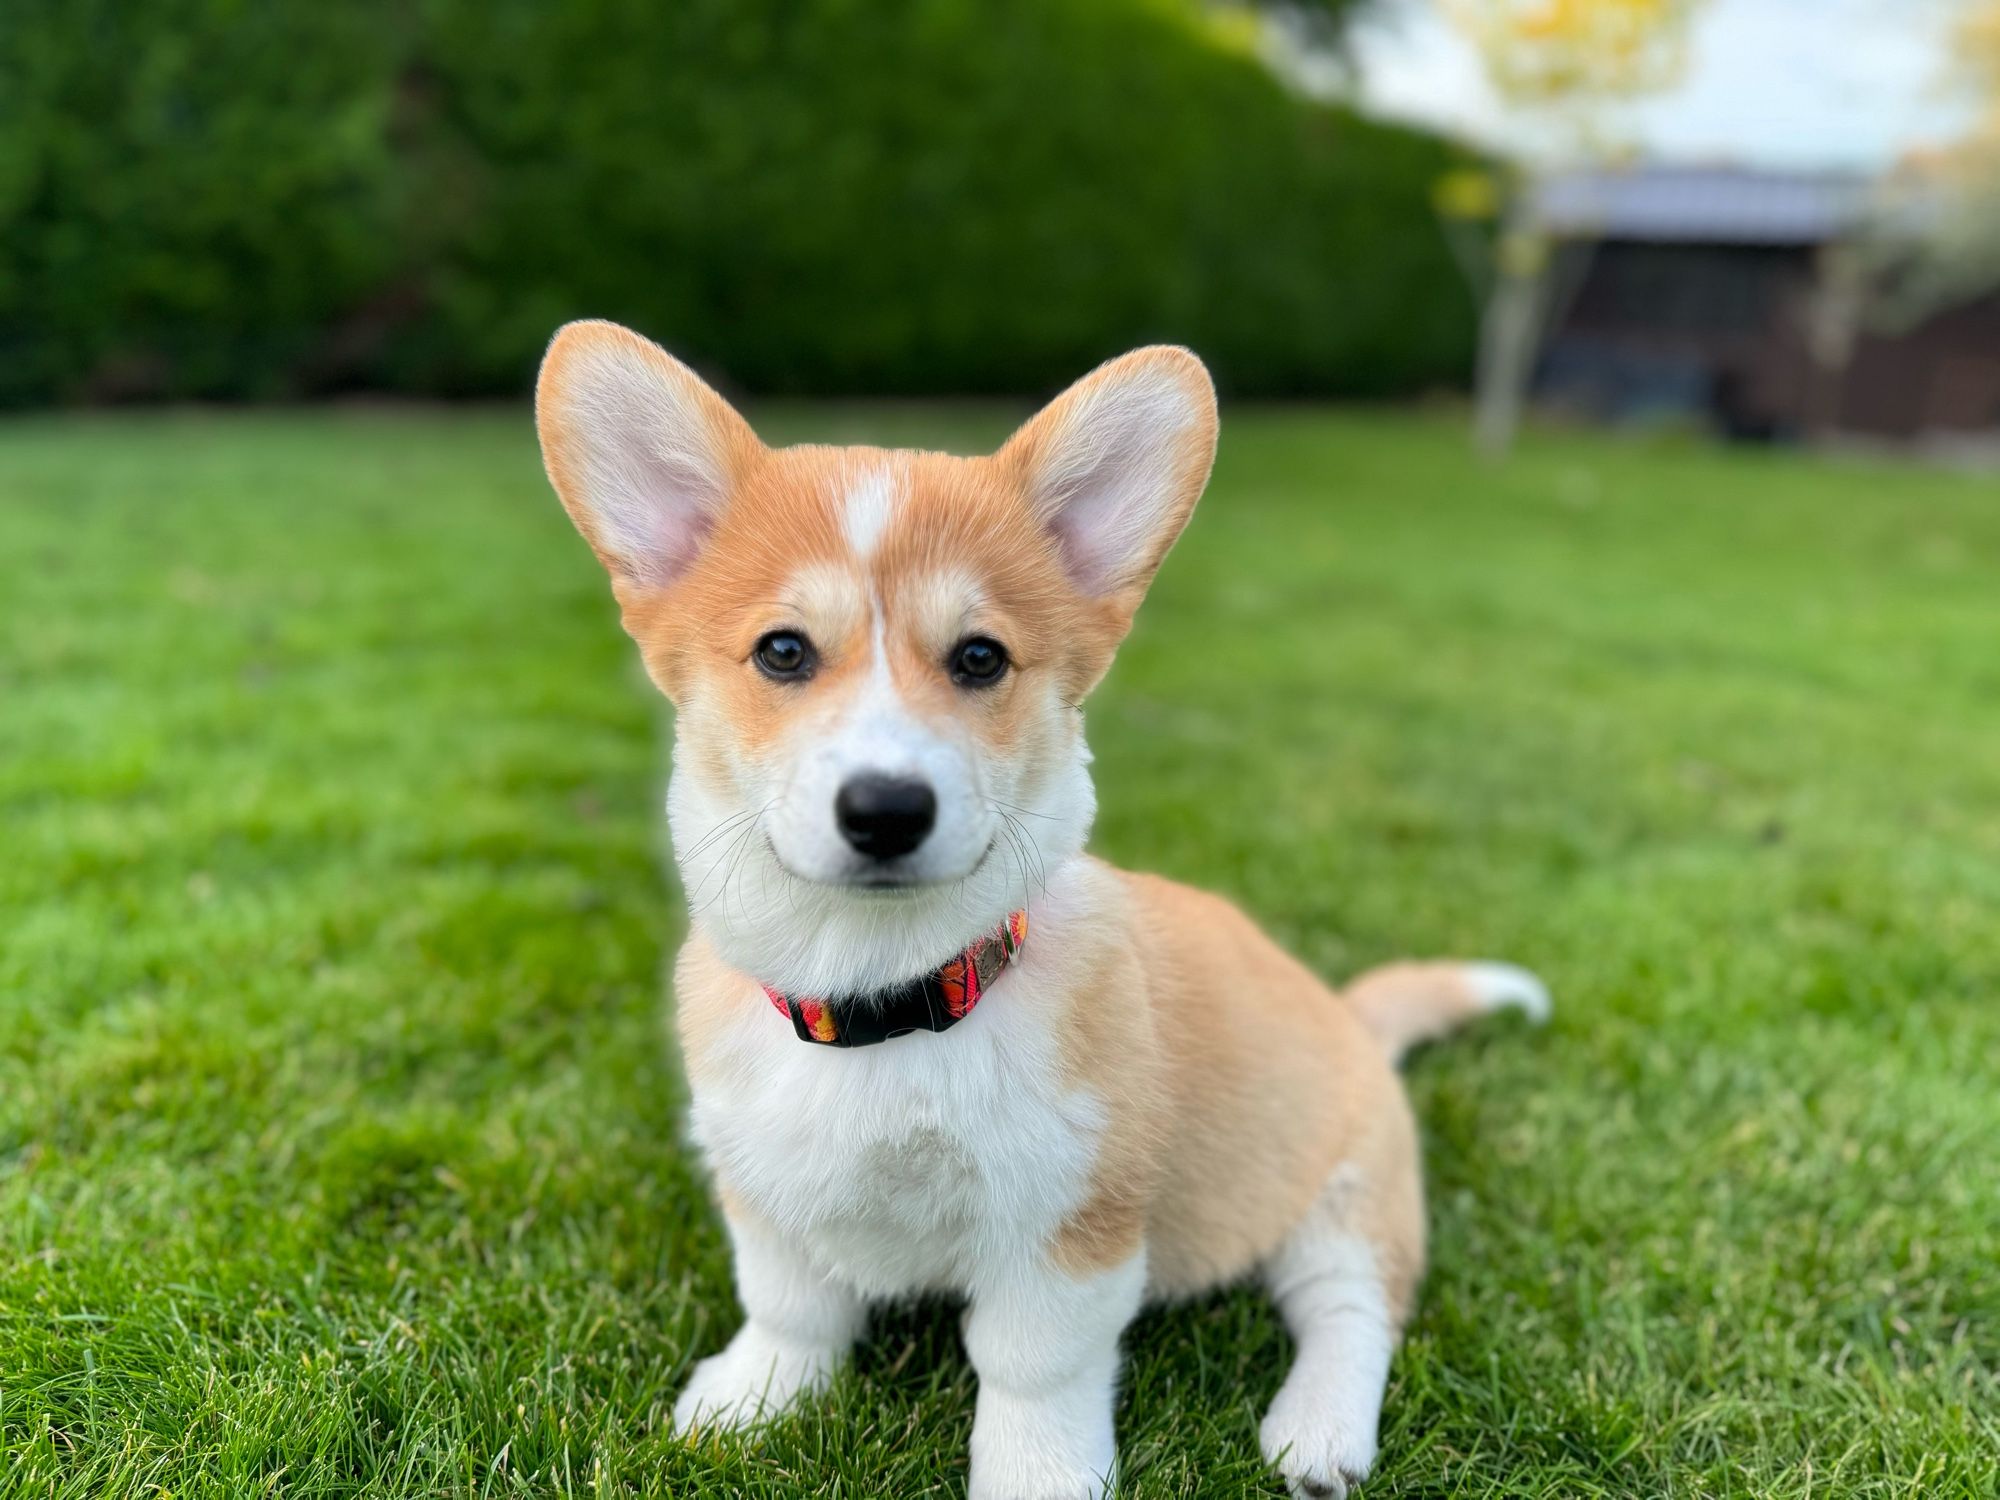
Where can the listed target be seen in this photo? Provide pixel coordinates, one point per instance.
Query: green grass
(338, 1126)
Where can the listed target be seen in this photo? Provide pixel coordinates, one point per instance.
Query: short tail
(1406, 1004)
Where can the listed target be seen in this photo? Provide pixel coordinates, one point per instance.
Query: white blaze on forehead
(870, 498)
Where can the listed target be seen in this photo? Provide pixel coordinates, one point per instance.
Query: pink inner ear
(1098, 543)
(653, 478)
(1110, 481)
(658, 517)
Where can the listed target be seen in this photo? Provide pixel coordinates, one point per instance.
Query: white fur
(937, 1163)
(866, 510)
(874, 733)
(1509, 987)
(931, 1165)
(1045, 1346)
(916, 1165)
(1320, 1432)
(762, 858)
(799, 1326)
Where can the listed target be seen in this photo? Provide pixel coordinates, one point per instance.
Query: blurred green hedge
(265, 198)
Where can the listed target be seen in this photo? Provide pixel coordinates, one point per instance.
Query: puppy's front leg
(799, 1326)
(1045, 1345)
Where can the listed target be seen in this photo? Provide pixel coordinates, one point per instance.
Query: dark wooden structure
(1697, 295)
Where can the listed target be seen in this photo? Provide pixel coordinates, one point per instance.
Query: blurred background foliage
(221, 199)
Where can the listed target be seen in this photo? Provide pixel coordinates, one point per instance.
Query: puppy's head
(877, 657)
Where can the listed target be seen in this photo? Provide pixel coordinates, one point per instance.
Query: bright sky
(1790, 83)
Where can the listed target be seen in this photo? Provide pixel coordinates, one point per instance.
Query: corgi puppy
(932, 1045)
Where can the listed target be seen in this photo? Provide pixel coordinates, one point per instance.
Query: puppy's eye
(785, 656)
(978, 662)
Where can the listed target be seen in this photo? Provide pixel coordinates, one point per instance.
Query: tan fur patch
(1237, 1084)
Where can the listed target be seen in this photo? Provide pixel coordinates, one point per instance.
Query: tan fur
(1267, 1067)
(1404, 1004)
(1243, 1083)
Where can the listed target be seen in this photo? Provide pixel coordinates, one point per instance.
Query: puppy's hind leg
(1343, 1282)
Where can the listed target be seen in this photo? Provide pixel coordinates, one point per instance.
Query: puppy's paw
(751, 1381)
(1040, 1477)
(1317, 1454)
(1026, 1449)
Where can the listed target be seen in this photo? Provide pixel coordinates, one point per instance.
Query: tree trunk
(1511, 324)
(1510, 338)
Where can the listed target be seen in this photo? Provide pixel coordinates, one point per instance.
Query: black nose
(884, 816)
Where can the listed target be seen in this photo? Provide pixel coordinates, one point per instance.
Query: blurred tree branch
(1933, 241)
(1562, 68)
(1307, 43)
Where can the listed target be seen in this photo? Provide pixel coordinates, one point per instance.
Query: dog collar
(936, 1001)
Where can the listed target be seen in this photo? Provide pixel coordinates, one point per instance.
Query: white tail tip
(1509, 987)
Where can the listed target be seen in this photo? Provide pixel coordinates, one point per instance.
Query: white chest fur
(904, 1167)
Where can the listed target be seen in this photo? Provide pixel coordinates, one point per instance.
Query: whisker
(694, 849)
(707, 841)
(1041, 860)
(1026, 812)
(1022, 845)
(1017, 835)
(729, 867)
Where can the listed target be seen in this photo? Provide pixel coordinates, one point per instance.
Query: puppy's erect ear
(1114, 465)
(643, 454)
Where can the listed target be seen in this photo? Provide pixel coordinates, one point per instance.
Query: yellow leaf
(1467, 193)
(1563, 53)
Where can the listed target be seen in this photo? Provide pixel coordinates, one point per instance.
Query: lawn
(339, 1126)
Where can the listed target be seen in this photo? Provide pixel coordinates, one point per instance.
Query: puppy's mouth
(883, 882)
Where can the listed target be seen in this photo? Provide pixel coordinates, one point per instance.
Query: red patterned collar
(931, 1002)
